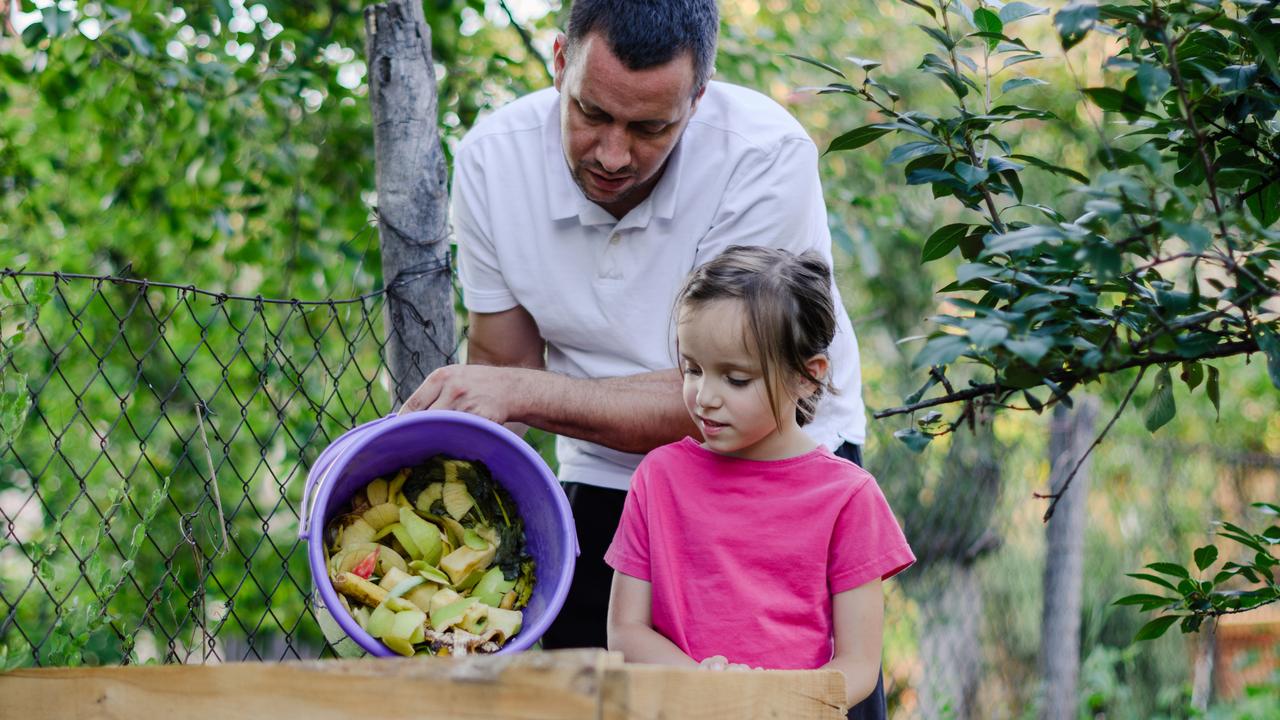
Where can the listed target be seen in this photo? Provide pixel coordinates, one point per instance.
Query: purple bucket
(381, 447)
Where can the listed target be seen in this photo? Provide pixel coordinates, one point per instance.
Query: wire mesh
(152, 462)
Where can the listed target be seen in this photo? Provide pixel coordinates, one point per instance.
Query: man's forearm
(630, 414)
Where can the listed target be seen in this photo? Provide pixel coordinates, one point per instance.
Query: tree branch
(1055, 497)
(527, 39)
(1243, 347)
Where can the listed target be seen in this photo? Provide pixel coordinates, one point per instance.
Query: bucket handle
(311, 490)
(304, 522)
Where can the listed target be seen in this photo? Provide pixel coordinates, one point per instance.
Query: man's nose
(614, 151)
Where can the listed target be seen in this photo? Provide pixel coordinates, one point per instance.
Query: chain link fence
(154, 444)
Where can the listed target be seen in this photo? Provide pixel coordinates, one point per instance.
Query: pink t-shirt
(743, 556)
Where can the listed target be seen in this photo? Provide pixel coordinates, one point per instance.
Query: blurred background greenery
(227, 145)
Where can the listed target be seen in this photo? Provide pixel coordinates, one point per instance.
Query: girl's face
(724, 387)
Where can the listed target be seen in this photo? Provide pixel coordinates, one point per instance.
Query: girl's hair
(789, 308)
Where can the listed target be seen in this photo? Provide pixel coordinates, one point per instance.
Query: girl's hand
(720, 662)
(715, 662)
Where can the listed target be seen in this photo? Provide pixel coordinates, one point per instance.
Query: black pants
(581, 622)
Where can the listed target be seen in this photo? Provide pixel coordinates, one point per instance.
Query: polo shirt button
(614, 239)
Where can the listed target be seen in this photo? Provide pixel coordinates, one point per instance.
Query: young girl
(756, 547)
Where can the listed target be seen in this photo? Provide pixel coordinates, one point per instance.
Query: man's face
(618, 126)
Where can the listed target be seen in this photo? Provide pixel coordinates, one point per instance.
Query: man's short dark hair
(647, 33)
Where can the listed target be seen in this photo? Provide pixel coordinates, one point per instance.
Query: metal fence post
(412, 183)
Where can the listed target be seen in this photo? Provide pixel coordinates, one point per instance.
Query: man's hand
(484, 390)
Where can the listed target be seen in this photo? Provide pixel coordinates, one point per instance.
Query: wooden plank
(650, 692)
(529, 686)
(560, 685)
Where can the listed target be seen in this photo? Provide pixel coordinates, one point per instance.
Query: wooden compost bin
(560, 685)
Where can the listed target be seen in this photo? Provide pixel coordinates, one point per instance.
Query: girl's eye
(739, 382)
(689, 370)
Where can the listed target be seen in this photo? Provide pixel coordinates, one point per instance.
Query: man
(578, 212)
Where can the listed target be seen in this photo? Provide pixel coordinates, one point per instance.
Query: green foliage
(19, 306)
(1170, 259)
(1190, 597)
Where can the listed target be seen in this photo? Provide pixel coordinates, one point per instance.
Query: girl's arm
(859, 630)
(631, 625)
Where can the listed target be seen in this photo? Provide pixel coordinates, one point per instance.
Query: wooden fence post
(413, 193)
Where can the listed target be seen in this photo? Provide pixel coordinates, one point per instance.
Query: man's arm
(505, 380)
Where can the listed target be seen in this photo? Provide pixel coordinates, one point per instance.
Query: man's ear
(558, 60)
(697, 97)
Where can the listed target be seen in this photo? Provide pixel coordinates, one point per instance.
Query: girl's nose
(707, 396)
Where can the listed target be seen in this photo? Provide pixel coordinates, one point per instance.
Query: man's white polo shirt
(601, 289)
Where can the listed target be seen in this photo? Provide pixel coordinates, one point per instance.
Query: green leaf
(866, 65)
(856, 138)
(1160, 407)
(1015, 11)
(1074, 21)
(941, 350)
(987, 21)
(1156, 628)
(1146, 600)
(1205, 556)
(1195, 235)
(1169, 569)
(943, 241)
(33, 34)
(1264, 201)
(1023, 239)
(972, 176)
(939, 35)
(915, 440)
(1152, 82)
(1015, 83)
(1269, 344)
(817, 63)
(1113, 100)
(1031, 348)
(1055, 169)
(972, 271)
(914, 149)
(1192, 374)
(56, 21)
(987, 333)
(1211, 388)
(922, 6)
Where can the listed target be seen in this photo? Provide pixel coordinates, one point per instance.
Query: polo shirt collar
(567, 200)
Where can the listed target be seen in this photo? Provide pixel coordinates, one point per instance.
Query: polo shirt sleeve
(867, 542)
(484, 288)
(629, 551)
(774, 199)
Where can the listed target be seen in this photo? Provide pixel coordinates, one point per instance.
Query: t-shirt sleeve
(629, 551)
(484, 288)
(867, 542)
(774, 200)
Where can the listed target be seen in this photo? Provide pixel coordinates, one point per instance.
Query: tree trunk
(413, 193)
(1071, 433)
(951, 645)
(951, 532)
